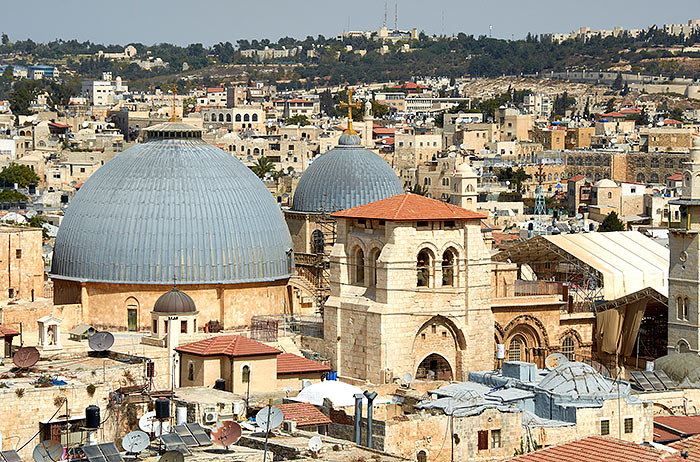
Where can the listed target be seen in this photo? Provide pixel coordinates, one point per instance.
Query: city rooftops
(409, 207)
(228, 345)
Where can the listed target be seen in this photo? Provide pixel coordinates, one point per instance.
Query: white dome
(341, 394)
(465, 170)
(606, 183)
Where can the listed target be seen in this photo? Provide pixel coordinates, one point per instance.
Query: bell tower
(684, 268)
(464, 187)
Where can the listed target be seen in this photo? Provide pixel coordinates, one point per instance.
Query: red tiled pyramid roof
(289, 363)
(303, 414)
(409, 207)
(7, 332)
(228, 345)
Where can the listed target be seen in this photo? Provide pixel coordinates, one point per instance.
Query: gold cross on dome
(350, 104)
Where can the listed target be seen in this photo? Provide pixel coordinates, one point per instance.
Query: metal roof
(173, 208)
(628, 261)
(346, 176)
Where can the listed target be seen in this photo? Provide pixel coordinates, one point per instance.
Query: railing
(269, 328)
(522, 288)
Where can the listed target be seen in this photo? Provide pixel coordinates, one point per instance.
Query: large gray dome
(173, 207)
(346, 176)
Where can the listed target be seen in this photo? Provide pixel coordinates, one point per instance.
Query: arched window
(246, 117)
(682, 347)
(359, 266)
(549, 177)
(609, 195)
(641, 162)
(448, 268)
(641, 178)
(654, 178)
(373, 263)
(245, 374)
(556, 177)
(206, 117)
(515, 349)
(424, 266)
(654, 162)
(422, 456)
(255, 118)
(238, 117)
(318, 242)
(685, 308)
(568, 348)
(221, 117)
(190, 371)
(597, 176)
(679, 308)
(228, 117)
(668, 163)
(256, 151)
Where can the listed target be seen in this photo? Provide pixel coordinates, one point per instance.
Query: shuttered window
(483, 436)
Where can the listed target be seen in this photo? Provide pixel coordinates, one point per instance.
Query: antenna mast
(396, 15)
(386, 2)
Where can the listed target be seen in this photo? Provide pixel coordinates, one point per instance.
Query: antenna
(315, 444)
(226, 433)
(101, 341)
(26, 357)
(135, 442)
(385, 7)
(396, 15)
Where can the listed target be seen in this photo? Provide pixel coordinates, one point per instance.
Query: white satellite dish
(315, 444)
(135, 442)
(47, 451)
(149, 424)
(305, 383)
(269, 418)
(407, 379)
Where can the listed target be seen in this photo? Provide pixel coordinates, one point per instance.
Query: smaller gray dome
(175, 302)
(575, 379)
(680, 366)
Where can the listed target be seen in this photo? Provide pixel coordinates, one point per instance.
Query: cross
(350, 104)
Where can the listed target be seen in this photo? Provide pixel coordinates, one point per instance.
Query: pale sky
(212, 21)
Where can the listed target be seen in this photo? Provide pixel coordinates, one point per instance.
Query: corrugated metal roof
(345, 177)
(173, 207)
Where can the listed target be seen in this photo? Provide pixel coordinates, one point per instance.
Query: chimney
(370, 400)
(357, 433)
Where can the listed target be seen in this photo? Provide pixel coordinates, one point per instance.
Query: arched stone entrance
(434, 367)
(439, 336)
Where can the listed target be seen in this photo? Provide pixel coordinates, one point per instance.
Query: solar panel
(641, 381)
(185, 434)
(173, 442)
(93, 453)
(10, 456)
(655, 382)
(198, 431)
(665, 379)
(111, 452)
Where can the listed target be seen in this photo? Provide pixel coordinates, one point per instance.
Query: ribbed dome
(175, 302)
(346, 176)
(574, 378)
(680, 367)
(173, 206)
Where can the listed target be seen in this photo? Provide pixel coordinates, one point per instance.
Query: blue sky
(213, 21)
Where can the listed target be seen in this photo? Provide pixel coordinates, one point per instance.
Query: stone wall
(21, 263)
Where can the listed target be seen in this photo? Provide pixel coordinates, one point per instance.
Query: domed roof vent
(175, 302)
(576, 379)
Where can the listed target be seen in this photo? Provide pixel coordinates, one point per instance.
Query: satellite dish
(101, 341)
(407, 378)
(26, 357)
(135, 442)
(47, 451)
(315, 444)
(554, 360)
(269, 418)
(150, 424)
(305, 383)
(226, 433)
(172, 456)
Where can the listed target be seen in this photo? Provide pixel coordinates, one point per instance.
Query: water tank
(162, 408)
(220, 384)
(92, 416)
(180, 415)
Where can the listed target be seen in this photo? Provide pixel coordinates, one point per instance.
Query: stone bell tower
(684, 269)
(464, 187)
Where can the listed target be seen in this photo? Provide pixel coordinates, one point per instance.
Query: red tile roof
(576, 178)
(630, 110)
(228, 345)
(215, 90)
(680, 424)
(303, 414)
(409, 207)
(672, 122)
(384, 131)
(7, 332)
(613, 114)
(692, 445)
(289, 363)
(663, 437)
(676, 177)
(599, 449)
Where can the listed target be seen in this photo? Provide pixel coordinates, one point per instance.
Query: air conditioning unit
(289, 426)
(210, 415)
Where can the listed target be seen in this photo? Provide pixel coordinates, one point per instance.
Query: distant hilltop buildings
(382, 35)
(585, 33)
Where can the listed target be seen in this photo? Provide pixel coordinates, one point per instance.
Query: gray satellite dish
(315, 444)
(149, 424)
(135, 442)
(172, 456)
(305, 383)
(269, 418)
(407, 379)
(101, 341)
(47, 451)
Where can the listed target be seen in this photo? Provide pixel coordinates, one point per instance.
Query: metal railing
(271, 327)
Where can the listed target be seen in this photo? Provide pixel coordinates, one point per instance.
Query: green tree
(610, 105)
(379, 110)
(37, 221)
(262, 166)
(299, 119)
(22, 95)
(515, 177)
(10, 195)
(611, 223)
(18, 174)
(617, 84)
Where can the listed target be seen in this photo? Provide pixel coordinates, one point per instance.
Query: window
(668, 163)
(424, 264)
(238, 117)
(568, 347)
(228, 117)
(448, 263)
(514, 349)
(18, 253)
(629, 425)
(685, 308)
(641, 163)
(155, 326)
(359, 262)
(609, 195)
(654, 162)
(495, 439)
(82, 169)
(246, 117)
(318, 241)
(604, 427)
(483, 439)
(183, 326)
(11, 293)
(245, 374)
(190, 371)
(422, 224)
(680, 310)
(422, 456)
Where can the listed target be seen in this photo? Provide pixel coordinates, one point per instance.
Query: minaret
(367, 132)
(684, 268)
(464, 186)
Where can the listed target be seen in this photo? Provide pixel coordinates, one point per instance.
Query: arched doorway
(434, 367)
(132, 314)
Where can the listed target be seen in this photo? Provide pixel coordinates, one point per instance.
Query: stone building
(236, 119)
(639, 167)
(22, 274)
(172, 209)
